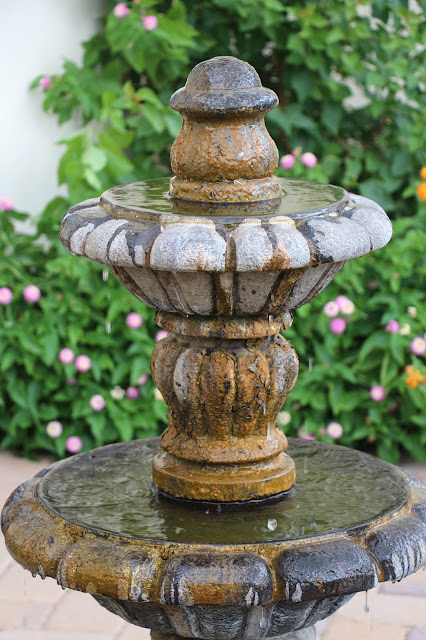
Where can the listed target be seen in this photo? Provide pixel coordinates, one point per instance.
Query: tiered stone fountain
(234, 538)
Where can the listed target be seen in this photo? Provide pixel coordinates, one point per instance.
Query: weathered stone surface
(400, 547)
(98, 240)
(192, 247)
(208, 578)
(334, 238)
(338, 568)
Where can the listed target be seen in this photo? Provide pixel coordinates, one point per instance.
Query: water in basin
(336, 489)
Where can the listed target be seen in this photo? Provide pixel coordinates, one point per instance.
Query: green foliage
(312, 54)
(338, 371)
(79, 311)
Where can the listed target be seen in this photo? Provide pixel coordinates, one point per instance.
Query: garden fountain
(228, 536)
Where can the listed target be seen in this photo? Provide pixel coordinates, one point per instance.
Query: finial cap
(223, 85)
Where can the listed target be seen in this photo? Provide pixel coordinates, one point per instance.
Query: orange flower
(421, 191)
(423, 173)
(414, 377)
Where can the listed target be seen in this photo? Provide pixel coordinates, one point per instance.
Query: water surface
(150, 198)
(336, 489)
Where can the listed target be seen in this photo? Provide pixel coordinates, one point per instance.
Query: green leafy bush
(313, 55)
(79, 311)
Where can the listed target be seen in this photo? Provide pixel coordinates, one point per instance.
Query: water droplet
(366, 608)
(310, 364)
(108, 327)
(207, 512)
(272, 524)
(105, 274)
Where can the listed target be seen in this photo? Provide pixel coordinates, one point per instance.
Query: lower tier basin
(95, 524)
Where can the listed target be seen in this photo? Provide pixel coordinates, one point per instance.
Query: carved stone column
(224, 394)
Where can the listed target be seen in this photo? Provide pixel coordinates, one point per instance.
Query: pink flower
(345, 305)
(150, 23)
(83, 363)
(287, 161)
(132, 393)
(31, 293)
(377, 393)
(331, 309)
(372, 285)
(7, 204)
(334, 430)
(45, 82)
(54, 429)
(307, 436)
(160, 335)
(97, 402)
(392, 326)
(6, 295)
(142, 380)
(134, 320)
(308, 159)
(66, 355)
(337, 325)
(71, 381)
(121, 10)
(73, 444)
(418, 346)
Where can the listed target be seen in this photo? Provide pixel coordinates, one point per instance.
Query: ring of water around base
(337, 489)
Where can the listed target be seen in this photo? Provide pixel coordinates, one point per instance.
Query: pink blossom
(54, 429)
(160, 335)
(31, 293)
(377, 393)
(66, 355)
(142, 380)
(307, 436)
(331, 309)
(372, 285)
(132, 393)
(134, 320)
(7, 204)
(73, 444)
(121, 10)
(334, 430)
(97, 402)
(150, 23)
(6, 296)
(71, 381)
(308, 159)
(345, 305)
(45, 82)
(287, 161)
(418, 346)
(83, 363)
(337, 325)
(392, 326)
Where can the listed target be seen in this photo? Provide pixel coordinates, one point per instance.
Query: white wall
(35, 37)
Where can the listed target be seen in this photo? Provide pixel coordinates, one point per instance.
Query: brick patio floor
(32, 609)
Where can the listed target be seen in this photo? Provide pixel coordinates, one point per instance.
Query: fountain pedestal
(224, 253)
(224, 388)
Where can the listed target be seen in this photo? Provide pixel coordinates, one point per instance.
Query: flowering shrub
(74, 350)
(66, 344)
(370, 378)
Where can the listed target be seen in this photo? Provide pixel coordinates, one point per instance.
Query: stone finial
(224, 152)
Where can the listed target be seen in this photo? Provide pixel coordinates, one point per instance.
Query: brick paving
(35, 609)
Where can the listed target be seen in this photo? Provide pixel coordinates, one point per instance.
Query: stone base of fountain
(94, 524)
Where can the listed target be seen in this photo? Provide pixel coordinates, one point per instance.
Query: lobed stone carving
(252, 590)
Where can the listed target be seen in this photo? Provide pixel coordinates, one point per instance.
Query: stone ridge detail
(197, 266)
(168, 586)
